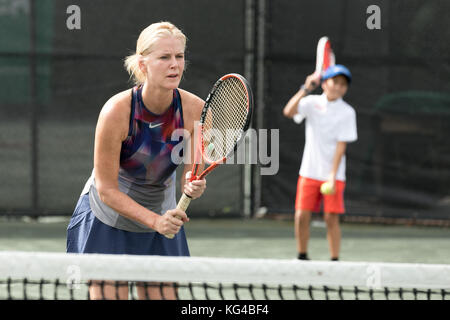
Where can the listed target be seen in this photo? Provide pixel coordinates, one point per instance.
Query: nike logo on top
(155, 125)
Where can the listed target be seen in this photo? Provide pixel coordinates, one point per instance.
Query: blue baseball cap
(336, 70)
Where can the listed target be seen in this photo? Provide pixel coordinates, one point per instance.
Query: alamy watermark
(256, 147)
(373, 277)
(373, 22)
(73, 277)
(73, 21)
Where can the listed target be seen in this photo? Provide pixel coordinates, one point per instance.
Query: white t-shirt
(327, 123)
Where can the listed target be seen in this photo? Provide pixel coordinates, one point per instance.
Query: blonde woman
(129, 202)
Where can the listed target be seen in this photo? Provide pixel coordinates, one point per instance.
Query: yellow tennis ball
(210, 147)
(326, 189)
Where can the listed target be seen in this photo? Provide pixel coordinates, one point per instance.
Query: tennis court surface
(233, 259)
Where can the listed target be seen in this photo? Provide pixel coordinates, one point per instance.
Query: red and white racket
(224, 121)
(324, 56)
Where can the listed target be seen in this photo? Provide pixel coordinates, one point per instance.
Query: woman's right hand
(171, 221)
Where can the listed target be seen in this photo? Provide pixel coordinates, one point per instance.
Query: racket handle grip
(183, 204)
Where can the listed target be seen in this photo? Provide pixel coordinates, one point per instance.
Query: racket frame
(324, 52)
(214, 164)
(185, 200)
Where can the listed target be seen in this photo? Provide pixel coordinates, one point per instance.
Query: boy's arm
(338, 154)
(290, 110)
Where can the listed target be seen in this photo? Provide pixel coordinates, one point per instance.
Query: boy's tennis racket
(224, 120)
(324, 58)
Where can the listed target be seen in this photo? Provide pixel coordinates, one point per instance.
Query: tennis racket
(324, 58)
(224, 120)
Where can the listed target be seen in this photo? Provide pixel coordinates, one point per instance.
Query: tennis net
(54, 276)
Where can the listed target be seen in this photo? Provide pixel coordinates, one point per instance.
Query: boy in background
(330, 125)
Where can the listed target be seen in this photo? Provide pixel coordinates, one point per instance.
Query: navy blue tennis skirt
(87, 234)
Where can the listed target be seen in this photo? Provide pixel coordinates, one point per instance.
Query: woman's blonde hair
(145, 44)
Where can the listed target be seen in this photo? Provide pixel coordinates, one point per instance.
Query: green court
(261, 238)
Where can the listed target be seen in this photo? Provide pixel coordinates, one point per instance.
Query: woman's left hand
(194, 188)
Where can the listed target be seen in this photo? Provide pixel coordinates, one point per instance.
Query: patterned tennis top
(147, 167)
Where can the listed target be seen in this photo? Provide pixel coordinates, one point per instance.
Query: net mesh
(58, 276)
(225, 119)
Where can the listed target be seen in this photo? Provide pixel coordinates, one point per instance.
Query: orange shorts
(309, 196)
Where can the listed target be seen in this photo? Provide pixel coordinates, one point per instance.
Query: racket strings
(328, 57)
(226, 119)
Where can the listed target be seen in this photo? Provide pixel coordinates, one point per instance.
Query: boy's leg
(333, 208)
(333, 234)
(302, 222)
(307, 201)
